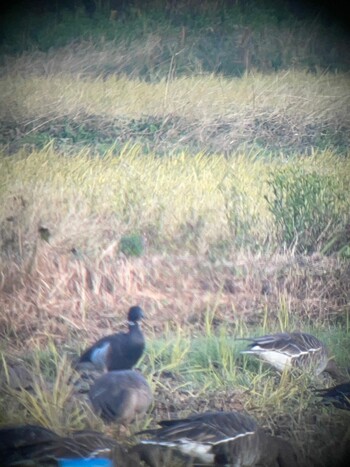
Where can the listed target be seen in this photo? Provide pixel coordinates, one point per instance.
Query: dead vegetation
(63, 302)
(291, 112)
(172, 133)
(210, 265)
(60, 294)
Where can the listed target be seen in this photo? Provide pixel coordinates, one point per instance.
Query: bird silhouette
(296, 349)
(120, 351)
(121, 396)
(216, 438)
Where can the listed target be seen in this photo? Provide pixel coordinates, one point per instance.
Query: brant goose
(216, 438)
(121, 396)
(119, 351)
(296, 349)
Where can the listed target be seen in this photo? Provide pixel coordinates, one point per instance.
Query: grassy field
(290, 112)
(219, 205)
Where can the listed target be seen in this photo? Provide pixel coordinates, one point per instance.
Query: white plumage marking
(99, 355)
(196, 448)
(98, 452)
(240, 435)
(187, 447)
(279, 360)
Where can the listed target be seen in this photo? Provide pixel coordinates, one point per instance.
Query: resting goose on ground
(121, 396)
(216, 438)
(35, 445)
(119, 351)
(296, 349)
(338, 396)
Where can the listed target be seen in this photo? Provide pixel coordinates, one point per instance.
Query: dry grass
(194, 308)
(64, 296)
(277, 112)
(212, 266)
(311, 97)
(202, 204)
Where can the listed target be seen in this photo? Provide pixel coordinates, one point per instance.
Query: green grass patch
(309, 208)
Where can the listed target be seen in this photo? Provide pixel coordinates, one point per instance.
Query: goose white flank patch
(202, 451)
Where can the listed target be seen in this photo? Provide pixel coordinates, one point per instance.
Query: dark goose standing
(121, 396)
(296, 349)
(216, 438)
(120, 351)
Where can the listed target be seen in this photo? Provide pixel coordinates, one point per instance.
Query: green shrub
(309, 208)
(132, 245)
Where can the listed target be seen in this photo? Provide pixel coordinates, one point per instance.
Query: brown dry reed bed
(57, 294)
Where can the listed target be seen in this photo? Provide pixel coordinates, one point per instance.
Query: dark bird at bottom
(121, 396)
(32, 445)
(217, 438)
(120, 351)
(338, 396)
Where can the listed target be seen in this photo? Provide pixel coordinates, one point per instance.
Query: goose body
(120, 351)
(296, 349)
(35, 445)
(216, 438)
(121, 396)
(338, 396)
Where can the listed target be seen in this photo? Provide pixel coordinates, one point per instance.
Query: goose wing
(211, 427)
(35, 445)
(202, 436)
(292, 344)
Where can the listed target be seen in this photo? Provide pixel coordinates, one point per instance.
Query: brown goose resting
(296, 349)
(216, 438)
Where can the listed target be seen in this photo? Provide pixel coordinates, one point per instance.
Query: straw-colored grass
(131, 192)
(212, 263)
(196, 202)
(311, 97)
(291, 111)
